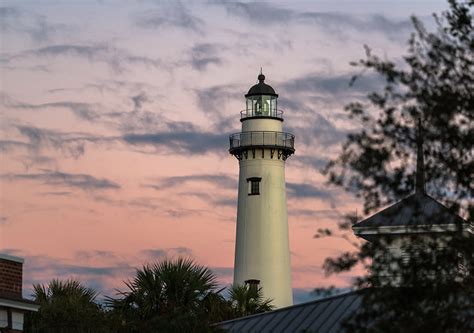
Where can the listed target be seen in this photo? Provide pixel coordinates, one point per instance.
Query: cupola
(261, 101)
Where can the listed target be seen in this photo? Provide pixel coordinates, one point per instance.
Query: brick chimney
(11, 276)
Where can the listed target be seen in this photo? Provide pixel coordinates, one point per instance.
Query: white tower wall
(265, 124)
(262, 249)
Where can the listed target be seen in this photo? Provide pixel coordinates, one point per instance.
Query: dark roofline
(16, 298)
(400, 201)
(442, 205)
(261, 94)
(360, 291)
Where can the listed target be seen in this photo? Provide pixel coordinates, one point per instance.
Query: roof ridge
(296, 305)
(423, 199)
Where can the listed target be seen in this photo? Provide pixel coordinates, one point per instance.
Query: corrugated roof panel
(339, 314)
(293, 313)
(349, 312)
(245, 325)
(314, 315)
(321, 316)
(330, 307)
(296, 324)
(259, 323)
(264, 320)
(249, 325)
(276, 321)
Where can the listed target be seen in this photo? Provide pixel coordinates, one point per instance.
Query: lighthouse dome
(261, 88)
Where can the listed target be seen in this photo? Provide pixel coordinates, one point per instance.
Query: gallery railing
(262, 139)
(272, 113)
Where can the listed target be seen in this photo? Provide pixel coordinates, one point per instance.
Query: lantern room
(261, 101)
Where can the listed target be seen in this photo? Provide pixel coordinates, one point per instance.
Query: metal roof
(418, 209)
(324, 315)
(261, 88)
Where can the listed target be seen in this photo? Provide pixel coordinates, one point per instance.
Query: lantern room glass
(261, 106)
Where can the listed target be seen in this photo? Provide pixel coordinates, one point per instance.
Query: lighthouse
(262, 254)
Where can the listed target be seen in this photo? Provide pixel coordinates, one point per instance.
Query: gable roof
(418, 209)
(324, 315)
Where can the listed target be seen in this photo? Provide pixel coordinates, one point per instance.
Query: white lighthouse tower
(262, 252)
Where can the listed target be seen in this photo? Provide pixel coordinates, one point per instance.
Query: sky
(115, 117)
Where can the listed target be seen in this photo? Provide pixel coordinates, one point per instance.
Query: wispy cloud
(4, 220)
(329, 214)
(342, 23)
(226, 202)
(62, 179)
(191, 142)
(83, 255)
(141, 203)
(213, 100)
(39, 146)
(160, 253)
(338, 24)
(219, 180)
(117, 59)
(314, 162)
(70, 144)
(57, 194)
(170, 15)
(36, 27)
(258, 12)
(203, 55)
(39, 143)
(40, 269)
(302, 190)
(150, 205)
(318, 131)
(144, 131)
(84, 111)
(12, 145)
(139, 100)
(320, 83)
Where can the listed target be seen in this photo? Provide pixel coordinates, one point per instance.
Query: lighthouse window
(254, 185)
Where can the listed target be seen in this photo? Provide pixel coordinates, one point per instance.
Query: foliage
(167, 296)
(246, 300)
(428, 288)
(436, 85)
(65, 306)
(429, 284)
(179, 296)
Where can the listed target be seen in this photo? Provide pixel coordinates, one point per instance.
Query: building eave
(25, 305)
(417, 229)
(11, 258)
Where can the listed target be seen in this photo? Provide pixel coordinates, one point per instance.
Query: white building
(262, 252)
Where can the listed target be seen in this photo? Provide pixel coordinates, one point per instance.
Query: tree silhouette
(167, 296)
(421, 279)
(65, 306)
(179, 296)
(247, 299)
(436, 85)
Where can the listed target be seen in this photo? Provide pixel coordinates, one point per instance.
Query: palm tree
(168, 296)
(65, 306)
(248, 299)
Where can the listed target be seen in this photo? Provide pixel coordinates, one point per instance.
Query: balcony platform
(280, 142)
(252, 114)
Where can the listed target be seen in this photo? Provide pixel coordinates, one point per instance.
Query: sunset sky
(115, 117)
